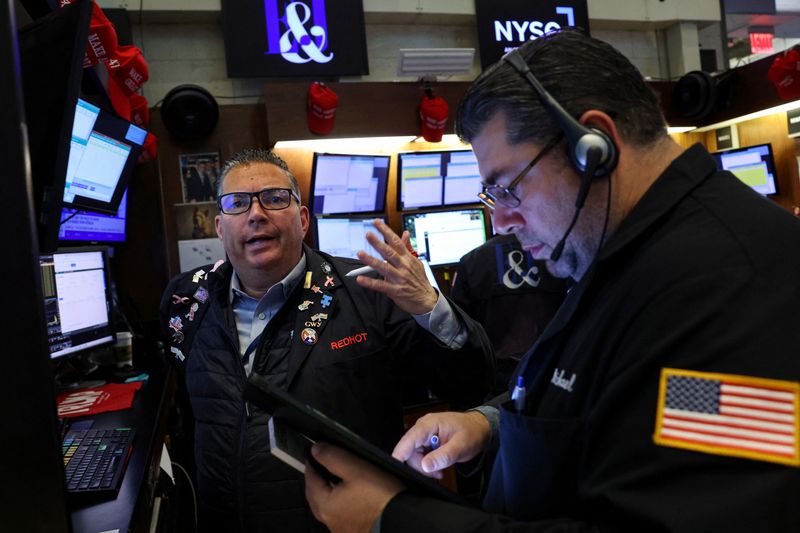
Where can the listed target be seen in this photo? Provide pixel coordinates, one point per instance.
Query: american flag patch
(726, 414)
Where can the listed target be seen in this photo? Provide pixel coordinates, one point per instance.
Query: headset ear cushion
(595, 138)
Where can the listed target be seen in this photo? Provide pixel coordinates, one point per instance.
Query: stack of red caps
(127, 71)
(433, 115)
(785, 74)
(321, 108)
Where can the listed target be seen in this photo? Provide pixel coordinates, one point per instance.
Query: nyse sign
(507, 24)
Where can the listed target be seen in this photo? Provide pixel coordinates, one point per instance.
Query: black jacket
(366, 351)
(702, 276)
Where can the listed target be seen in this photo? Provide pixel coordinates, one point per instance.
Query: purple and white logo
(301, 34)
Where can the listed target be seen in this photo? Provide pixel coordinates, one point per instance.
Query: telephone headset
(591, 151)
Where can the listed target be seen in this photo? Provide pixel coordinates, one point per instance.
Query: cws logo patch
(726, 414)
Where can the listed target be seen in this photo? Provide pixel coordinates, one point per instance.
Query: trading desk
(132, 509)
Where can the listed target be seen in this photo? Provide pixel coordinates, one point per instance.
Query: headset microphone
(592, 159)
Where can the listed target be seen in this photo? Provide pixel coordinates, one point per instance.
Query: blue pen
(434, 442)
(518, 395)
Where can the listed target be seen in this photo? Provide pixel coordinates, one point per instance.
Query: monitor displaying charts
(343, 183)
(442, 237)
(344, 236)
(436, 179)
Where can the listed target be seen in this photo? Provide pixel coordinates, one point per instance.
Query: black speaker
(698, 94)
(189, 112)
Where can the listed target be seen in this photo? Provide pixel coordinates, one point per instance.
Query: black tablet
(317, 426)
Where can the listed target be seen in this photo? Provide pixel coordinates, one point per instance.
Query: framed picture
(199, 174)
(195, 220)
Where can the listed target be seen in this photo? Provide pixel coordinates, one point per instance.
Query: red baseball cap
(102, 37)
(127, 64)
(140, 112)
(149, 149)
(433, 115)
(321, 104)
(785, 74)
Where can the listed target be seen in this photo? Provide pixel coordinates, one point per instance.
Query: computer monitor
(442, 237)
(103, 153)
(343, 183)
(77, 300)
(51, 50)
(344, 236)
(754, 165)
(85, 226)
(436, 179)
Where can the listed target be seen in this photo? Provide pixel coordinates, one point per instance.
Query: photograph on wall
(199, 173)
(196, 253)
(195, 220)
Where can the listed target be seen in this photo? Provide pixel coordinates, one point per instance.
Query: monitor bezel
(312, 186)
(441, 205)
(109, 300)
(770, 162)
(487, 226)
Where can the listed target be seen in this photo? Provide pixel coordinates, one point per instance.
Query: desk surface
(148, 409)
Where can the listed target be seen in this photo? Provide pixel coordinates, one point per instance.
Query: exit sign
(761, 43)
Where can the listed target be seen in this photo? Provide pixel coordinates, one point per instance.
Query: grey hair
(250, 156)
(582, 73)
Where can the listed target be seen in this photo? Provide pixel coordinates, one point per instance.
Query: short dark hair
(581, 73)
(249, 156)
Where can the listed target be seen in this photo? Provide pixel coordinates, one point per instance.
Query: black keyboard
(95, 460)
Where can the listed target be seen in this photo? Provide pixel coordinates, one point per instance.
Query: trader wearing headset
(664, 394)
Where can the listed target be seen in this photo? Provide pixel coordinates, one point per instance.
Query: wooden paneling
(364, 110)
(239, 127)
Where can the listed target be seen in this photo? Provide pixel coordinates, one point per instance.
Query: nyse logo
(518, 31)
(300, 35)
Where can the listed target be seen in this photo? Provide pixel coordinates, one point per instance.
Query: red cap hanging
(433, 115)
(321, 108)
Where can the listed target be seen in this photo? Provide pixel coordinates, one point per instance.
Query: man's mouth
(258, 239)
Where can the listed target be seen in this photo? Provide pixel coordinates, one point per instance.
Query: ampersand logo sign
(299, 45)
(516, 276)
(301, 34)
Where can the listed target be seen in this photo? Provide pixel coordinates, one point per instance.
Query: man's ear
(304, 219)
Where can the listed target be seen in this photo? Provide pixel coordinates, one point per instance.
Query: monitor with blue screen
(753, 165)
(77, 300)
(344, 236)
(442, 237)
(343, 183)
(436, 179)
(85, 226)
(103, 153)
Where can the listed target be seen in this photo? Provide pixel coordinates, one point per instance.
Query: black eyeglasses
(236, 203)
(495, 193)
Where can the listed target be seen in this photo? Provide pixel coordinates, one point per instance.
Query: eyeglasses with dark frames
(236, 203)
(492, 194)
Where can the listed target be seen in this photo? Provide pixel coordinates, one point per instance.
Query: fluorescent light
(355, 144)
(679, 129)
(758, 114)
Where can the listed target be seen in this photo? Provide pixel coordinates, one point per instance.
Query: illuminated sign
(761, 43)
(507, 24)
(308, 38)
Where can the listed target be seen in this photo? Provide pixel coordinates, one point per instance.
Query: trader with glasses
(664, 395)
(354, 348)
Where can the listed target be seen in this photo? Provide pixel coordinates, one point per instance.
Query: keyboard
(95, 460)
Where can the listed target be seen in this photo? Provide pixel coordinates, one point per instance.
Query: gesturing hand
(404, 279)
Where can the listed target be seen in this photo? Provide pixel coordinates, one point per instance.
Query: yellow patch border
(722, 450)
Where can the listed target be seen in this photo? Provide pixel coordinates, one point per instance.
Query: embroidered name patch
(726, 414)
(347, 341)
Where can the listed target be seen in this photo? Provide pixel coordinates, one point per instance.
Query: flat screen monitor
(436, 179)
(349, 183)
(442, 237)
(85, 226)
(102, 155)
(77, 300)
(344, 236)
(52, 49)
(754, 165)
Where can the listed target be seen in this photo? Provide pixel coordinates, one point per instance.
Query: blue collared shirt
(253, 315)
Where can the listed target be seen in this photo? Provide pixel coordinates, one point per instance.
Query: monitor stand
(78, 372)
